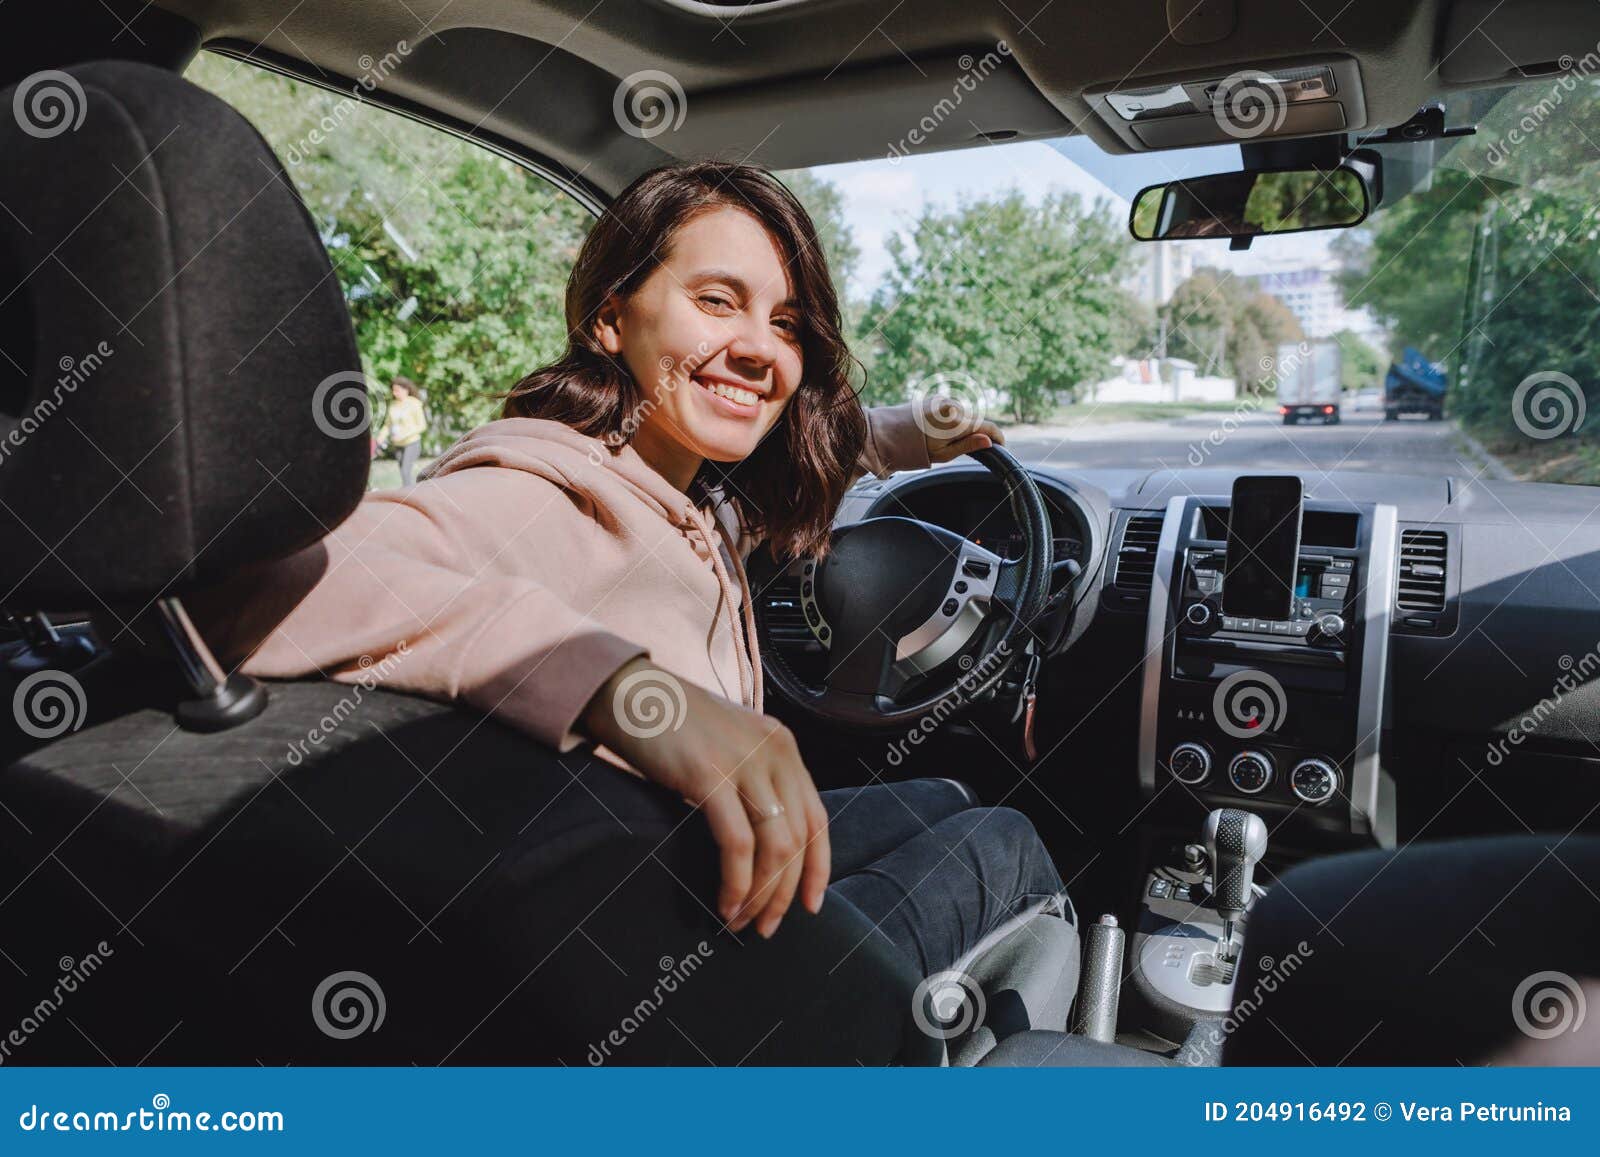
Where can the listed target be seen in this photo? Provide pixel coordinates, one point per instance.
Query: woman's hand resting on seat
(743, 769)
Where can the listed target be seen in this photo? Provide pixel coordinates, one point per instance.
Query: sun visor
(1486, 40)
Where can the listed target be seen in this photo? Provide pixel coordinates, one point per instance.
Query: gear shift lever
(1235, 842)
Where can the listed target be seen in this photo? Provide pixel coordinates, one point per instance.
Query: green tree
(1360, 366)
(1409, 264)
(1226, 327)
(1491, 267)
(825, 203)
(1024, 298)
(453, 260)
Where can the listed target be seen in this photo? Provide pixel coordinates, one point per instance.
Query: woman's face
(712, 337)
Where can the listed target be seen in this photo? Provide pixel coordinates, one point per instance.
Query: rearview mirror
(1251, 203)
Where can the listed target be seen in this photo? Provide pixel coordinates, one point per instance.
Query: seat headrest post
(220, 700)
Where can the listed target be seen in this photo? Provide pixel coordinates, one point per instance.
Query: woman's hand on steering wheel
(952, 429)
(740, 767)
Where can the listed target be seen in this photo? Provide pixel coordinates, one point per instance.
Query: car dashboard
(1461, 699)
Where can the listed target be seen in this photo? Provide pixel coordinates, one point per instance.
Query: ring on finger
(771, 812)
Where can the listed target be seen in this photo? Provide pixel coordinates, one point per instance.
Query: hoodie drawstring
(744, 634)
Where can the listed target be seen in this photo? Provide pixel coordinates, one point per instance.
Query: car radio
(1283, 714)
(1323, 586)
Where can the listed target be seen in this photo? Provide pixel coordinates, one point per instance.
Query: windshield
(1452, 332)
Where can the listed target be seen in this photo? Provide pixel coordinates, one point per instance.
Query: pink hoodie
(526, 566)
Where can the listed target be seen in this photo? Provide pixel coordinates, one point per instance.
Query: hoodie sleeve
(385, 601)
(894, 441)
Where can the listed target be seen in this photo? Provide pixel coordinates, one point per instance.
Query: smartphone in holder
(1263, 547)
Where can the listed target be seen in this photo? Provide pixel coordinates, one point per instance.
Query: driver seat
(306, 872)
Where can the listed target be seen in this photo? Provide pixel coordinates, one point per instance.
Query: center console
(1280, 715)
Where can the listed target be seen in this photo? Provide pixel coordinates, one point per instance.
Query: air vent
(786, 621)
(1424, 556)
(783, 611)
(1136, 556)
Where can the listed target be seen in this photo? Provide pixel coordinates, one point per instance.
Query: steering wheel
(897, 599)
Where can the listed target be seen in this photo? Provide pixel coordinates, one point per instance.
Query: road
(1362, 441)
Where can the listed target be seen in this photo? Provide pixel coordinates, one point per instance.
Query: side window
(453, 260)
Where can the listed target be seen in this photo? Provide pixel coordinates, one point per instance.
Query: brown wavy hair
(789, 487)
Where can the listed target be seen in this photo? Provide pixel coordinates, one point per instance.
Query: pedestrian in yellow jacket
(407, 422)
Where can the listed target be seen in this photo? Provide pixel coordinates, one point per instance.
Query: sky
(883, 196)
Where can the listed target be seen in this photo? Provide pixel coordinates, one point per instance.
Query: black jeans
(613, 884)
(933, 872)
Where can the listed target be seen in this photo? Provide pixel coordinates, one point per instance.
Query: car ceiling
(793, 83)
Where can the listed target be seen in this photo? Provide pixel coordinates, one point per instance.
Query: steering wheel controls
(1190, 763)
(1251, 772)
(1314, 780)
(817, 625)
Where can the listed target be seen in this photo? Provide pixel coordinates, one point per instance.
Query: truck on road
(1308, 381)
(1414, 385)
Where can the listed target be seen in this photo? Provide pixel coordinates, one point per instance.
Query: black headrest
(178, 366)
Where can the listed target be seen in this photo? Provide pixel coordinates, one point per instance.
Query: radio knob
(1314, 780)
(1190, 763)
(1250, 772)
(1199, 618)
(1328, 628)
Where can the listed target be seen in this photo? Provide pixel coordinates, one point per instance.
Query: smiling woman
(698, 346)
(549, 561)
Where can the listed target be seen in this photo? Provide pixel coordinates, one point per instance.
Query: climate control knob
(1315, 780)
(1250, 772)
(1190, 763)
